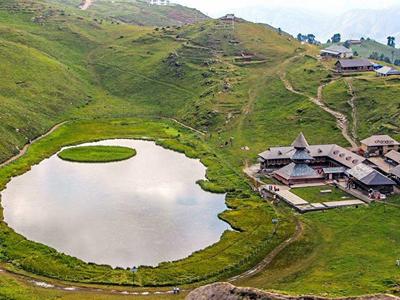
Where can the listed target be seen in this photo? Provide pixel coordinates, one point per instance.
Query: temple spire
(300, 142)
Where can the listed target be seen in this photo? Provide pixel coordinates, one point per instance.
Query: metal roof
(354, 63)
(297, 171)
(380, 140)
(300, 142)
(369, 176)
(394, 156)
(337, 170)
(334, 152)
(387, 71)
(396, 171)
(302, 154)
(337, 49)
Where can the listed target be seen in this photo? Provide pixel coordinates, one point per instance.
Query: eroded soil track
(341, 119)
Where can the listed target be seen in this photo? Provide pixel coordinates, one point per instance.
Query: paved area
(336, 204)
(291, 198)
(302, 205)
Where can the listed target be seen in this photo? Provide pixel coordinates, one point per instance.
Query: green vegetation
(377, 105)
(236, 251)
(60, 63)
(374, 50)
(96, 154)
(342, 252)
(369, 47)
(306, 74)
(315, 195)
(336, 95)
(12, 287)
(139, 12)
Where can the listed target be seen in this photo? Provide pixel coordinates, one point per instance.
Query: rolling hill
(139, 12)
(248, 84)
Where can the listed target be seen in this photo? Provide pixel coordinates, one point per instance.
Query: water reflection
(144, 210)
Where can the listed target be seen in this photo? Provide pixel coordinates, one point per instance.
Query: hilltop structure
(302, 164)
(379, 145)
(387, 71)
(336, 51)
(298, 171)
(354, 65)
(159, 2)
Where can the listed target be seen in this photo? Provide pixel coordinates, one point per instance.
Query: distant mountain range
(376, 24)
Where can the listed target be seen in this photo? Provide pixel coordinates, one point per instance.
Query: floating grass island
(97, 154)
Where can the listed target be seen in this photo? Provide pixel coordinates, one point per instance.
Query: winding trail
(352, 103)
(341, 119)
(25, 148)
(272, 255)
(187, 126)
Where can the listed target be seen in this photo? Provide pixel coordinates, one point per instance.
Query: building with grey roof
(379, 145)
(337, 51)
(387, 71)
(353, 65)
(395, 174)
(328, 161)
(298, 171)
(393, 157)
(368, 178)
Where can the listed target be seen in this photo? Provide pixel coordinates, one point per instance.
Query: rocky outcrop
(227, 291)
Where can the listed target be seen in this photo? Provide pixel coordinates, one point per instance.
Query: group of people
(176, 290)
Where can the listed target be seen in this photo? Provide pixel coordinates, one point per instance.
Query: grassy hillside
(139, 12)
(368, 47)
(60, 63)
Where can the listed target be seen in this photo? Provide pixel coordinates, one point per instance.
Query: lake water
(140, 211)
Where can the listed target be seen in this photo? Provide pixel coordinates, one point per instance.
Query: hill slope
(246, 87)
(139, 12)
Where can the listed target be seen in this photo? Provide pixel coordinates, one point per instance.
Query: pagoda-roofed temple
(299, 171)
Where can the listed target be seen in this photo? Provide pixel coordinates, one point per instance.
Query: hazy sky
(216, 8)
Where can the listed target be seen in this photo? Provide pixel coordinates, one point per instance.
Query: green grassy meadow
(111, 79)
(96, 154)
(342, 252)
(314, 195)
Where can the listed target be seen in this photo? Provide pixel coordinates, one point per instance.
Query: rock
(227, 291)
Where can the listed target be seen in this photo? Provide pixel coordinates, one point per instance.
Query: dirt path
(86, 4)
(187, 126)
(272, 255)
(25, 148)
(352, 103)
(341, 119)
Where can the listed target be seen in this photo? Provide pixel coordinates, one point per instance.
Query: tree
(387, 60)
(328, 41)
(336, 38)
(355, 53)
(311, 38)
(374, 55)
(301, 37)
(347, 44)
(397, 62)
(391, 41)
